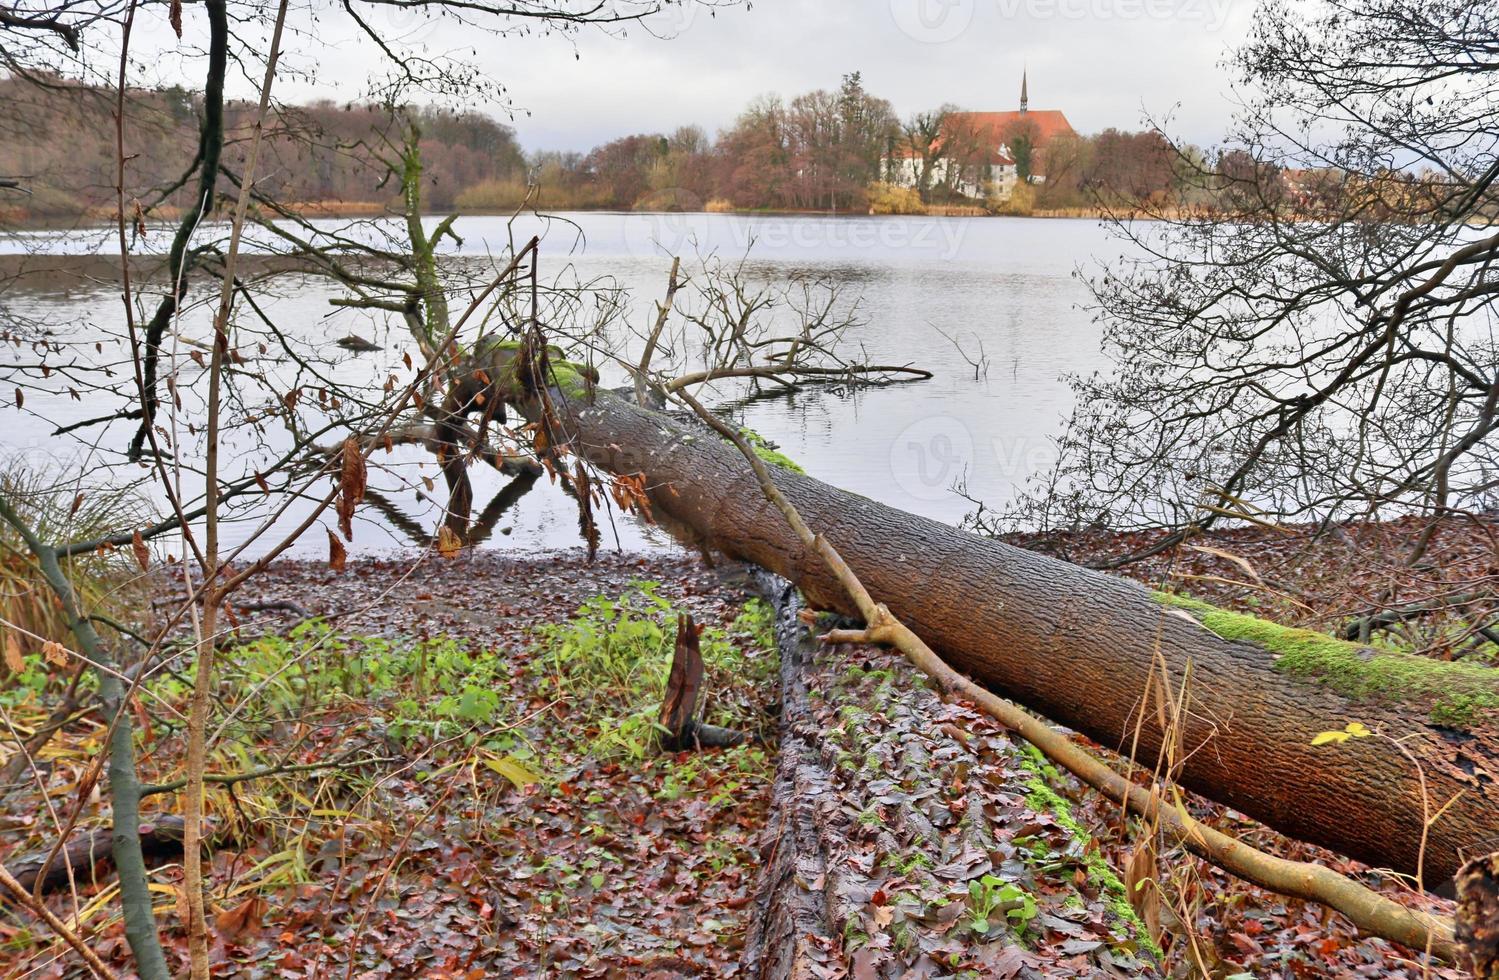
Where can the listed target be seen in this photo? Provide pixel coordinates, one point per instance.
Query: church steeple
(1024, 98)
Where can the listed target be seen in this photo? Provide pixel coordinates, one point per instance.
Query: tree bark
(790, 935)
(1084, 649)
(883, 789)
(679, 706)
(681, 729)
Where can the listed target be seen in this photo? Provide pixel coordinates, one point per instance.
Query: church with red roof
(983, 153)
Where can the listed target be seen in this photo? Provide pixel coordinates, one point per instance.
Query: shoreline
(25, 223)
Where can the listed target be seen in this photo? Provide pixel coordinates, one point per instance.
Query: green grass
(105, 583)
(608, 667)
(1042, 797)
(435, 688)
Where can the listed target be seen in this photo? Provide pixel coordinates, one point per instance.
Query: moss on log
(1457, 695)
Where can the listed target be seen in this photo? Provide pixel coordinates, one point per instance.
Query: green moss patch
(763, 449)
(1040, 796)
(570, 377)
(1457, 694)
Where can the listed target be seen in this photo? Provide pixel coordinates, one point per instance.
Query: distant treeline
(57, 139)
(823, 150)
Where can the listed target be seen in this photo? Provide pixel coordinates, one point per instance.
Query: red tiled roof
(1049, 123)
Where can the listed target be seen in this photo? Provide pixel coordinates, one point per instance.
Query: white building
(979, 153)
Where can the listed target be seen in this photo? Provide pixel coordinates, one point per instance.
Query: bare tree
(734, 325)
(925, 135)
(1319, 343)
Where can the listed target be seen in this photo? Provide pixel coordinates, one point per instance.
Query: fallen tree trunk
(894, 813)
(791, 933)
(90, 857)
(1089, 650)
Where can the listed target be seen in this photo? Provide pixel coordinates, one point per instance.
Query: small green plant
(608, 665)
(764, 449)
(1042, 797)
(436, 687)
(988, 895)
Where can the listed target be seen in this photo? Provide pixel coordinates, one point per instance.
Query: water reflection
(480, 529)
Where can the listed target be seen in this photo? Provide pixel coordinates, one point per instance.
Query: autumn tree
(1069, 162)
(836, 140)
(754, 156)
(927, 138)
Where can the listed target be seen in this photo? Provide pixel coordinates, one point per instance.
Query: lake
(1006, 285)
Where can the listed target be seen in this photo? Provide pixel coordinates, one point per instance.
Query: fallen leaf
(241, 919)
(55, 653)
(14, 662)
(514, 770)
(337, 556)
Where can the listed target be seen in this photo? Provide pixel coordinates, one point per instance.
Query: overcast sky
(1101, 61)
(1104, 62)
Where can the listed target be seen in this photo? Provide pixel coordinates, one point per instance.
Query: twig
(663, 311)
(234, 778)
(56, 925)
(980, 364)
